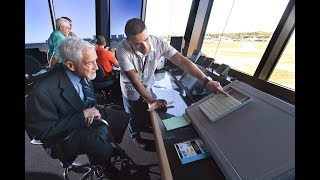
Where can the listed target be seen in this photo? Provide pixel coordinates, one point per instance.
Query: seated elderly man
(62, 104)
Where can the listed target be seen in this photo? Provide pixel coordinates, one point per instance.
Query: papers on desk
(164, 81)
(176, 122)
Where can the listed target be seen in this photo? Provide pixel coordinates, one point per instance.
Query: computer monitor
(195, 55)
(201, 60)
(208, 62)
(176, 42)
(191, 83)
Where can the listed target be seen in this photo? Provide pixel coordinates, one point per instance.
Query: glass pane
(82, 14)
(238, 32)
(120, 12)
(38, 25)
(167, 18)
(284, 72)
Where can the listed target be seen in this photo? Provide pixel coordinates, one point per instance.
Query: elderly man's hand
(90, 114)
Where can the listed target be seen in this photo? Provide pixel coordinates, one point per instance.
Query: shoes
(118, 152)
(111, 171)
(139, 142)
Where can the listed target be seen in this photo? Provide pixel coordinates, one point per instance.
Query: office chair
(68, 163)
(38, 54)
(104, 86)
(119, 158)
(33, 71)
(88, 170)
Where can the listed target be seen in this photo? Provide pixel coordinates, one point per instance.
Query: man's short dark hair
(134, 26)
(101, 40)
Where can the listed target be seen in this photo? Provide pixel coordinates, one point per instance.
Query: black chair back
(32, 65)
(100, 74)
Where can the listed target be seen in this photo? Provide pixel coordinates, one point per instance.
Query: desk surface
(165, 88)
(257, 141)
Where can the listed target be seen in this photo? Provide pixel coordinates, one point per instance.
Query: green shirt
(53, 43)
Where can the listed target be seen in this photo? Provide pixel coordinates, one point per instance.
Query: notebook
(220, 105)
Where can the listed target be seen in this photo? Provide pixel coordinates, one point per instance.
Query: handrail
(161, 151)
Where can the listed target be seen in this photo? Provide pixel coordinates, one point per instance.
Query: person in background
(63, 28)
(106, 58)
(71, 32)
(61, 104)
(139, 55)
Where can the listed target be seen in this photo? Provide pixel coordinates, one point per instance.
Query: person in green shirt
(63, 28)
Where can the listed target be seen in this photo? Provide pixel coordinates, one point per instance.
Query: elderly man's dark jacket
(53, 108)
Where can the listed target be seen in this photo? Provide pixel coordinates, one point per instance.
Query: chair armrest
(36, 142)
(102, 120)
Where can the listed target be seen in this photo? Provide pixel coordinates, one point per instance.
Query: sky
(245, 15)
(167, 16)
(38, 25)
(162, 16)
(123, 13)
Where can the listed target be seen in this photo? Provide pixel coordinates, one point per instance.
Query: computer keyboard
(220, 105)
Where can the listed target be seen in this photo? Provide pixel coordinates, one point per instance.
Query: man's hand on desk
(159, 104)
(215, 87)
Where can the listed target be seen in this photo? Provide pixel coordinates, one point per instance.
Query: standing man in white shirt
(138, 56)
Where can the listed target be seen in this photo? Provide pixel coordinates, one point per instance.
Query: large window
(167, 18)
(120, 12)
(82, 14)
(238, 32)
(284, 72)
(37, 21)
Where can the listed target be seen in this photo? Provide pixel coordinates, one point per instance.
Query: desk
(170, 165)
(257, 141)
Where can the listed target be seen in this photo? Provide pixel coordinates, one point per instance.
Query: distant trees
(233, 36)
(240, 36)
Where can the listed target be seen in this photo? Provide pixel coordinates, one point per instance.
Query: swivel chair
(119, 158)
(33, 71)
(87, 170)
(104, 86)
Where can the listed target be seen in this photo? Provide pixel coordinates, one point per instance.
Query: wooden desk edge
(161, 151)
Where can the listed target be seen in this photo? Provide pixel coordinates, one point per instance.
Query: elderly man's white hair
(61, 22)
(71, 48)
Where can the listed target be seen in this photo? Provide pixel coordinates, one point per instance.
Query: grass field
(245, 57)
